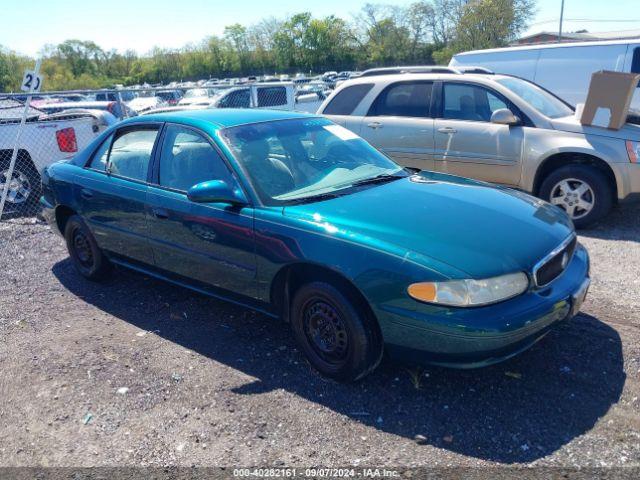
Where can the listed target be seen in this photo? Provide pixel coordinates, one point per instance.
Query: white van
(563, 68)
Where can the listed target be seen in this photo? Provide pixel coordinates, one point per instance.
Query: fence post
(16, 145)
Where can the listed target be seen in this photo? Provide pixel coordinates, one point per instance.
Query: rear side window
(347, 99)
(406, 99)
(272, 96)
(236, 99)
(131, 152)
(187, 158)
(99, 160)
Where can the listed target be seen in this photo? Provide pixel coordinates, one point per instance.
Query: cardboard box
(608, 100)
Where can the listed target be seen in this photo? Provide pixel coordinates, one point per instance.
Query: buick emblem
(565, 260)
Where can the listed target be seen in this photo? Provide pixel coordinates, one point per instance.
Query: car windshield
(299, 160)
(535, 96)
(196, 92)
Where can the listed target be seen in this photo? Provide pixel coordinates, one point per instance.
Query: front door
(112, 192)
(208, 242)
(468, 144)
(399, 123)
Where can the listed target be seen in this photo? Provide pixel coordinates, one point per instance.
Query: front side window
(289, 161)
(470, 102)
(347, 99)
(405, 99)
(187, 158)
(131, 153)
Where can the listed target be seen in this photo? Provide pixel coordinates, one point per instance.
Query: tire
(85, 254)
(565, 186)
(25, 186)
(339, 339)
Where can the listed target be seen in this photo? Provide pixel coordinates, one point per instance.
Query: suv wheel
(338, 339)
(580, 190)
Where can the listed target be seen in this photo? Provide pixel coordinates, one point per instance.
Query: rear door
(113, 188)
(209, 242)
(468, 144)
(399, 123)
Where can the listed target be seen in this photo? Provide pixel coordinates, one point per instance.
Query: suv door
(399, 123)
(210, 242)
(113, 192)
(468, 144)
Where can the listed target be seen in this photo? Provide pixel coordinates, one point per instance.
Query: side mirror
(216, 191)
(504, 116)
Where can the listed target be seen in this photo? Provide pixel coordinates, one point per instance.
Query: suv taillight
(67, 140)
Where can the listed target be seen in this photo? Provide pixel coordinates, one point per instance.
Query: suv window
(635, 62)
(272, 96)
(236, 99)
(131, 152)
(469, 102)
(403, 99)
(99, 159)
(347, 99)
(187, 158)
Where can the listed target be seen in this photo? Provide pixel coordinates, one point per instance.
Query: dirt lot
(137, 372)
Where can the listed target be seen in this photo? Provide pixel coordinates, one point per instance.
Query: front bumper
(475, 337)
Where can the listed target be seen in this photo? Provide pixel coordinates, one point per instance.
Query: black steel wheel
(87, 257)
(337, 335)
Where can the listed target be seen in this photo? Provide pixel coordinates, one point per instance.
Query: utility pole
(561, 15)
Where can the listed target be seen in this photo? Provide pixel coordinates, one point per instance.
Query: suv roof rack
(372, 72)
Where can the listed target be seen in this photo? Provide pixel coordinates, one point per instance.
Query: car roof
(220, 117)
(399, 77)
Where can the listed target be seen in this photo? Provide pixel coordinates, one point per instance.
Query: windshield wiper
(382, 178)
(313, 198)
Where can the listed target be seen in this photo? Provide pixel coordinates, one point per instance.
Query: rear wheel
(580, 190)
(87, 257)
(24, 185)
(337, 337)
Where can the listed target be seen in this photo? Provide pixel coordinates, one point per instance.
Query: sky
(142, 24)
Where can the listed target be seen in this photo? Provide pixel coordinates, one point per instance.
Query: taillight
(67, 140)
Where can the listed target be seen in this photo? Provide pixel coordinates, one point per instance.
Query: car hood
(628, 131)
(473, 228)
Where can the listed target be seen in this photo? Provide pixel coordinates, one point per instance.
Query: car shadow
(620, 224)
(517, 411)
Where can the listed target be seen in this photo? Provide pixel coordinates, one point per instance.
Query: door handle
(86, 194)
(447, 130)
(160, 213)
(374, 125)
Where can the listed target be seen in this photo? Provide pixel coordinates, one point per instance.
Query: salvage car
(299, 218)
(495, 128)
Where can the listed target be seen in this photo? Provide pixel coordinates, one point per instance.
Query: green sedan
(301, 219)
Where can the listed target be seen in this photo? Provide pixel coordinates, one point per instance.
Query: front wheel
(87, 257)
(580, 190)
(338, 338)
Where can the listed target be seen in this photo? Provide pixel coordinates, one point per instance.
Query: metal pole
(16, 145)
(560, 27)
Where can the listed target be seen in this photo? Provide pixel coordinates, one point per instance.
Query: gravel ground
(138, 372)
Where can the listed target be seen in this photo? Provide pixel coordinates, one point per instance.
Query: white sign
(31, 82)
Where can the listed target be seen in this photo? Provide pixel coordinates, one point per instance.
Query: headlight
(470, 293)
(633, 150)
